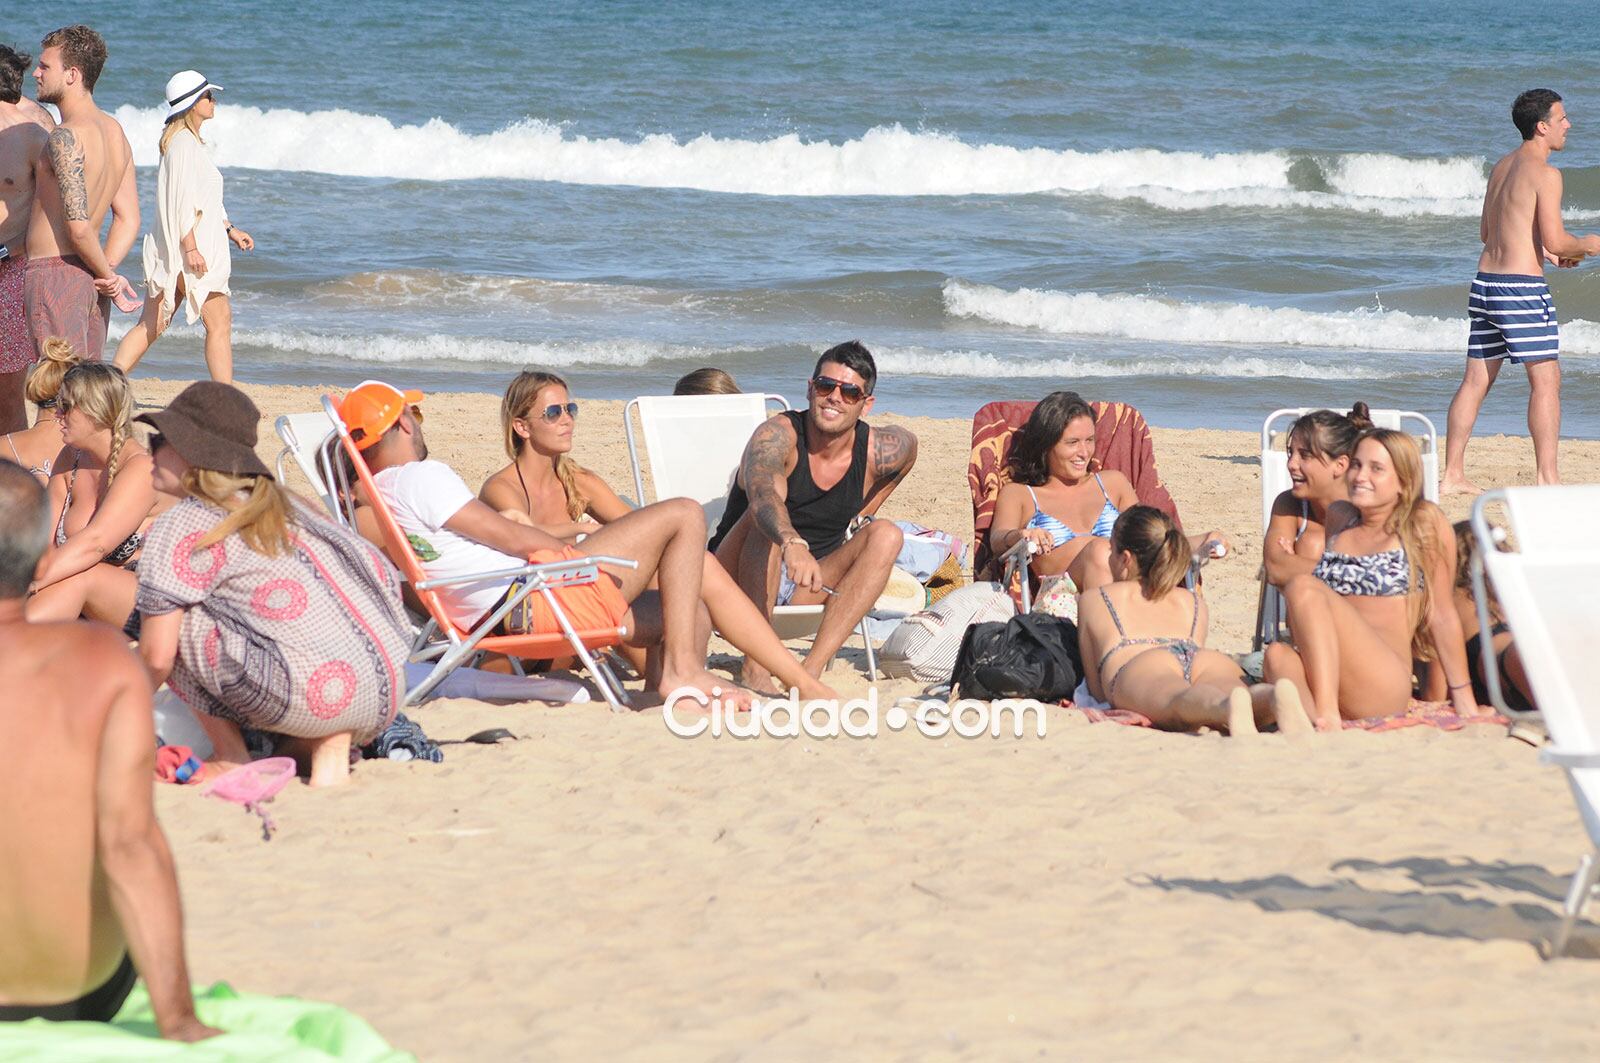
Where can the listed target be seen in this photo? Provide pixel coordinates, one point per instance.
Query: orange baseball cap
(373, 407)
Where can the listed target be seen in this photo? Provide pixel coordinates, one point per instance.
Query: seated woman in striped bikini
(1142, 639)
(1379, 597)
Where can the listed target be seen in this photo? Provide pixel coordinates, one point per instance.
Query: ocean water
(1207, 210)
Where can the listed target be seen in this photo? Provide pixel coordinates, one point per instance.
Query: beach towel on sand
(1122, 442)
(1438, 715)
(280, 1029)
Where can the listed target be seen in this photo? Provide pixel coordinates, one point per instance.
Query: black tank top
(820, 517)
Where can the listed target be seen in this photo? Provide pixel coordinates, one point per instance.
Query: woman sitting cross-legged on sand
(543, 486)
(35, 448)
(102, 498)
(1377, 601)
(1319, 445)
(256, 609)
(1057, 489)
(1142, 641)
(1514, 685)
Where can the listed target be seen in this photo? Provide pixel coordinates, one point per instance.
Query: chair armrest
(575, 567)
(1560, 758)
(1016, 558)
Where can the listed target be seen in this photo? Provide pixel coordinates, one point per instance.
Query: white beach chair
(308, 438)
(693, 444)
(1548, 587)
(1275, 481)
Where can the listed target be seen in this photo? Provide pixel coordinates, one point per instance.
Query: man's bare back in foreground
(1512, 314)
(22, 144)
(87, 171)
(88, 878)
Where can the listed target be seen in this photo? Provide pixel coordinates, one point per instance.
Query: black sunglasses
(825, 385)
(552, 413)
(155, 442)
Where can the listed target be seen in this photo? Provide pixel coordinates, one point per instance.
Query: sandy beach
(601, 888)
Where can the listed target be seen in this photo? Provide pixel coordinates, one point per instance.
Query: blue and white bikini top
(1385, 575)
(1060, 533)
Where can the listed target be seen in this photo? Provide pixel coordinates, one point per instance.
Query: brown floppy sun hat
(212, 426)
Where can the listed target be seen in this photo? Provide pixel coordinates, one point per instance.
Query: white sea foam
(884, 161)
(1144, 317)
(917, 361)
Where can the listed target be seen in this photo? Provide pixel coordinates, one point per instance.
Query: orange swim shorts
(589, 606)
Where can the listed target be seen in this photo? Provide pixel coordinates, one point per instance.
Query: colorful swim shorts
(16, 343)
(593, 606)
(1512, 316)
(62, 301)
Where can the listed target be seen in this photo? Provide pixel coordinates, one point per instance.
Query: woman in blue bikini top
(1057, 497)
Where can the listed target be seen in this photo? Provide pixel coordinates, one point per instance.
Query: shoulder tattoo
(893, 451)
(769, 451)
(66, 156)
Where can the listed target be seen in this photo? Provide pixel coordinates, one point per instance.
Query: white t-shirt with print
(422, 495)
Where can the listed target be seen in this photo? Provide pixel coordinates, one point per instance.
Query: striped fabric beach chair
(448, 644)
(1544, 564)
(1122, 442)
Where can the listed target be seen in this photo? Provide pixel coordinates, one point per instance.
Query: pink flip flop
(253, 785)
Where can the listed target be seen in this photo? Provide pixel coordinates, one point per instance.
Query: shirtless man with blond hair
(91, 896)
(22, 144)
(87, 171)
(1510, 308)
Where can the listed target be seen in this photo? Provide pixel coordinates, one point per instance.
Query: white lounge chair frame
(1270, 613)
(709, 478)
(306, 438)
(448, 646)
(1549, 592)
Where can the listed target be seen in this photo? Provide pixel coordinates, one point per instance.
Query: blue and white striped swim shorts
(1512, 316)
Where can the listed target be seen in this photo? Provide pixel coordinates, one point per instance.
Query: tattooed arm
(768, 460)
(893, 452)
(66, 158)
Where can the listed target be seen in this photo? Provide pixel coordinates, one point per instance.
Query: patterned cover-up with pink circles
(307, 644)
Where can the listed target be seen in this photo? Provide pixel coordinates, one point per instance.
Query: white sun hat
(184, 89)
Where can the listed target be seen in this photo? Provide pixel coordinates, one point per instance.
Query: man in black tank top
(804, 477)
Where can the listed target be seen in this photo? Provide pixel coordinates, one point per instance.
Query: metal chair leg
(1583, 883)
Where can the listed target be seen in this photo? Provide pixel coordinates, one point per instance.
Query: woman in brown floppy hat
(256, 609)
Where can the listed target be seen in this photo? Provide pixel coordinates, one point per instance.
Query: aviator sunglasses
(825, 385)
(552, 413)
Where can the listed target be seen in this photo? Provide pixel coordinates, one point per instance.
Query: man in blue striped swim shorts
(1512, 315)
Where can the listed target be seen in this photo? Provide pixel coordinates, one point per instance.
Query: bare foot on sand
(735, 698)
(1288, 710)
(1241, 713)
(757, 678)
(1458, 485)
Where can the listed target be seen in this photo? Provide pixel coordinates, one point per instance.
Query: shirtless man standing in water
(88, 170)
(1509, 306)
(90, 895)
(22, 143)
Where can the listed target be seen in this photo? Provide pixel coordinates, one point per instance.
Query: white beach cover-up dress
(188, 195)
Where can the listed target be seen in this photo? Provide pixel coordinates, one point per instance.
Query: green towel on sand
(256, 1028)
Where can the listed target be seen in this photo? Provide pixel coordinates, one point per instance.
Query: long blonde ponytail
(262, 517)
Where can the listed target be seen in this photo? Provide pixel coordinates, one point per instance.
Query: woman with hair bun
(1142, 639)
(1319, 446)
(102, 498)
(35, 448)
(1379, 597)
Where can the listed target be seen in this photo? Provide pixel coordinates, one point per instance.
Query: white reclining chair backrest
(1549, 592)
(1275, 461)
(693, 444)
(307, 437)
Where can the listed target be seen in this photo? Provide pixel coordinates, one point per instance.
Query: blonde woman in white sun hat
(187, 258)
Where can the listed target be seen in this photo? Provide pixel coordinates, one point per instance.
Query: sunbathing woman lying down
(1142, 639)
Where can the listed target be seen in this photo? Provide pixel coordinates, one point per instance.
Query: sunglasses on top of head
(825, 385)
(552, 413)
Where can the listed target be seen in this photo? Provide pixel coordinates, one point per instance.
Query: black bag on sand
(1032, 655)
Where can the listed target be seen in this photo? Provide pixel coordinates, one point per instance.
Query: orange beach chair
(448, 644)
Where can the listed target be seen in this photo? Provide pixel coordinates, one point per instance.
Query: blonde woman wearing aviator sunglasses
(543, 486)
